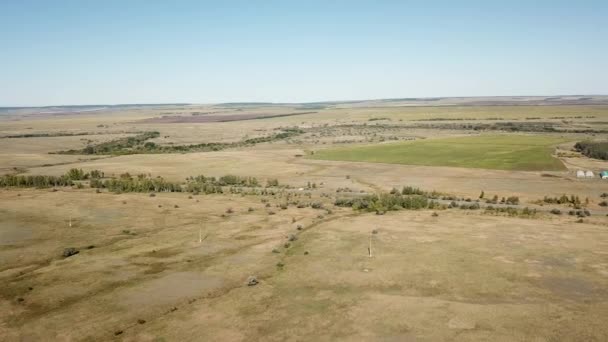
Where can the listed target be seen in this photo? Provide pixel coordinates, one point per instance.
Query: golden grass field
(175, 266)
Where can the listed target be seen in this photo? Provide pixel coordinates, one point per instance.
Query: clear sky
(128, 51)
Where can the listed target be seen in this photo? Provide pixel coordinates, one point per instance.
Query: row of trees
(548, 127)
(29, 181)
(563, 199)
(139, 145)
(140, 183)
(197, 184)
(226, 180)
(79, 174)
(118, 146)
(385, 202)
(41, 181)
(591, 149)
(136, 185)
(510, 211)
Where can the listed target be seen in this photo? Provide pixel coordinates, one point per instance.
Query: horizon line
(292, 103)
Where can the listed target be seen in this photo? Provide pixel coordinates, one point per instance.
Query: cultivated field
(387, 220)
(501, 152)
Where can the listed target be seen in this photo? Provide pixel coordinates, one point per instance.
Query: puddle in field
(169, 289)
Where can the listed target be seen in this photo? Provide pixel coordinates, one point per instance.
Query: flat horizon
(299, 103)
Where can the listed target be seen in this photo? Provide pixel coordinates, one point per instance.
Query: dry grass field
(166, 266)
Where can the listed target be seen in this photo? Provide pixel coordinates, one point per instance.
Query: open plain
(391, 220)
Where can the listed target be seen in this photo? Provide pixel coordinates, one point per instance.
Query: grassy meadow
(499, 152)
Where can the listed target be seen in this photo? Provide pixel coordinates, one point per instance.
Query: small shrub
(512, 200)
(556, 211)
(252, 281)
(68, 252)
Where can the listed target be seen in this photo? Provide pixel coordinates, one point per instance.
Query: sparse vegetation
(160, 226)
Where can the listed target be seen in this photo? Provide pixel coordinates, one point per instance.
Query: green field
(501, 152)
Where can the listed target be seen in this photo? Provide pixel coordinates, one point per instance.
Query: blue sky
(92, 52)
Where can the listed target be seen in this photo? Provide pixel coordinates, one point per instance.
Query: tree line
(139, 145)
(34, 181)
(593, 149)
(44, 181)
(383, 202)
(118, 146)
(140, 183)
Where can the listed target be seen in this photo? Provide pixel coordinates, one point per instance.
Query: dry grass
(142, 271)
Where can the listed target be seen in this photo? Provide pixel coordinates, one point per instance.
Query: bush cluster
(386, 201)
(591, 149)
